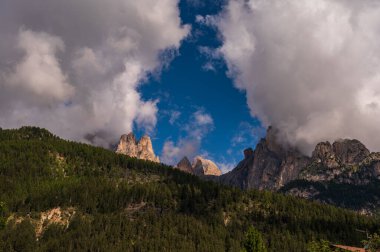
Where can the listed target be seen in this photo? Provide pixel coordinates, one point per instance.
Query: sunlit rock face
(142, 149)
(200, 166)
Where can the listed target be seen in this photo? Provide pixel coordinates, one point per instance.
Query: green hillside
(108, 202)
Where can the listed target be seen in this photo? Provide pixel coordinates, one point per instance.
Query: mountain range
(329, 175)
(344, 173)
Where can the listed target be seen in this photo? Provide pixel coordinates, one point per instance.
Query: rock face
(142, 149)
(200, 167)
(272, 165)
(338, 161)
(185, 165)
(344, 173)
(350, 151)
(269, 166)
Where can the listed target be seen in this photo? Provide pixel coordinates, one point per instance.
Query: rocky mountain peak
(185, 165)
(130, 137)
(248, 153)
(350, 151)
(127, 145)
(324, 154)
(269, 166)
(142, 149)
(202, 166)
(341, 152)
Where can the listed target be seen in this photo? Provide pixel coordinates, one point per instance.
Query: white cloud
(309, 67)
(39, 72)
(202, 118)
(79, 64)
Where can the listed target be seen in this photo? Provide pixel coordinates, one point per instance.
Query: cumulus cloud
(199, 125)
(75, 66)
(38, 72)
(310, 68)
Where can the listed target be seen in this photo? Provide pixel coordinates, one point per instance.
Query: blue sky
(186, 87)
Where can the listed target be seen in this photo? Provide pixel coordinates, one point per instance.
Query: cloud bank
(311, 68)
(75, 66)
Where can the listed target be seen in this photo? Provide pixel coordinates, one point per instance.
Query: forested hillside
(65, 196)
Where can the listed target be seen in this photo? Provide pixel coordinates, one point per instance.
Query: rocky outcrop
(350, 151)
(185, 165)
(269, 166)
(343, 173)
(324, 155)
(340, 161)
(127, 145)
(200, 167)
(142, 149)
(272, 164)
(239, 176)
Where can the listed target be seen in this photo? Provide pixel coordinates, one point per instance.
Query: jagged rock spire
(185, 165)
(200, 166)
(204, 166)
(142, 149)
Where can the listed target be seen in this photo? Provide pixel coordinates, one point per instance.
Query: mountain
(270, 166)
(200, 167)
(185, 165)
(58, 195)
(142, 149)
(344, 173)
(344, 165)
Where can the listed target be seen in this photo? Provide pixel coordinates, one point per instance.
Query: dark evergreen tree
(254, 241)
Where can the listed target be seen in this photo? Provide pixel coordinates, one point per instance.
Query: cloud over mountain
(312, 68)
(75, 66)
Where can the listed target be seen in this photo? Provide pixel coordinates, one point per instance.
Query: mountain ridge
(273, 166)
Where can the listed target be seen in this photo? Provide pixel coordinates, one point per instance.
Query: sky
(200, 77)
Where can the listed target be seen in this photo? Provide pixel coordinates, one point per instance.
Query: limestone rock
(142, 149)
(185, 165)
(248, 153)
(202, 166)
(127, 145)
(269, 166)
(324, 154)
(350, 151)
